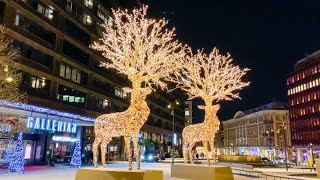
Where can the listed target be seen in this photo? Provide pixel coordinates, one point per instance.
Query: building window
(120, 93)
(88, 3)
(86, 20)
(100, 85)
(75, 53)
(33, 82)
(73, 74)
(38, 83)
(77, 33)
(70, 95)
(101, 103)
(46, 11)
(104, 15)
(101, 29)
(34, 54)
(187, 113)
(69, 6)
(27, 25)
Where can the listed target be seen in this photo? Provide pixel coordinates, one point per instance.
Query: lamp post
(268, 135)
(6, 70)
(311, 152)
(283, 131)
(232, 148)
(172, 106)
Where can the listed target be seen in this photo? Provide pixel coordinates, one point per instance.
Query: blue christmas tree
(17, 160)
(76, 157)
(9, 152)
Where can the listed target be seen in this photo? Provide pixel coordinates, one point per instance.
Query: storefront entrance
(61, 151)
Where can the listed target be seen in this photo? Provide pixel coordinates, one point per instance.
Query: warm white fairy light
(9, 77)
(144, 50)
(213, 78)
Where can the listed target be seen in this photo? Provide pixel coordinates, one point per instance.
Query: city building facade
(64, 82)
(258, 132)
(304, 106)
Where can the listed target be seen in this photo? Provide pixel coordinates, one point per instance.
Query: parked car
(149, 156)
(265, 160)
(161, 156)
(279, 161)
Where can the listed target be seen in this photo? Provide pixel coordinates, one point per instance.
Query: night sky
(267, 36)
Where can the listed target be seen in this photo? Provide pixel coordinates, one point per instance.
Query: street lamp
(232, 148)
(283, 131)
(172, 106)
(311, 152)
(6, 70)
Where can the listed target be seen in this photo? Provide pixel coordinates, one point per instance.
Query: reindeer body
(127, 124)
(202, 132)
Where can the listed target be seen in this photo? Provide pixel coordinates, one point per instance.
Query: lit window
(187, 113)
(69, 6)
(86, 19)
(46, 11)
(88, 3)
(38, 83)
(120, 93)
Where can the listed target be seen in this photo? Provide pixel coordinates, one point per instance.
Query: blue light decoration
(9, 152)
(76, 157)
(43, 110)
(17, 160)
(175, 139)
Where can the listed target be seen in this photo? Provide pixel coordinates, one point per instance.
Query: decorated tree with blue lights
(9, 152)
(17, 160)
(76, 157)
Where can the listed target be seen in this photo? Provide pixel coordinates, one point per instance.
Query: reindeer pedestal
(117, 174)
(200, 172)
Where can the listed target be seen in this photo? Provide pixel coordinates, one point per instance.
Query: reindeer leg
(103, 152)
(136, 152)
(213, 153)
(184, 150)
(127, 142)
(205, 145)
(95, 151)
(190, 152)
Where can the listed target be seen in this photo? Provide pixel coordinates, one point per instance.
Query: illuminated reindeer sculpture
(213, 78)
(143, 50)
(202, 132)
(127, 124)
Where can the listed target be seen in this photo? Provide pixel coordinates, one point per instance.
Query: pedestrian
(197, 156)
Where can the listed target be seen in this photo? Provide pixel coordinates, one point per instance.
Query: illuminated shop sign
(53, 125)
(64, 139)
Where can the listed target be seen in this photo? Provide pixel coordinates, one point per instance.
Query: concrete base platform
(117, 174)
(201, 172)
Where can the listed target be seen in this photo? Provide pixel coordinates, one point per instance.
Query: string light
(9, 152)
(144, 50)
(17, 159)
(43, 110)
(76, 157)
(9, 77)
(213, 78)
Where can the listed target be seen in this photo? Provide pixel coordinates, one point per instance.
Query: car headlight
(150, 157)
(142, 157)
